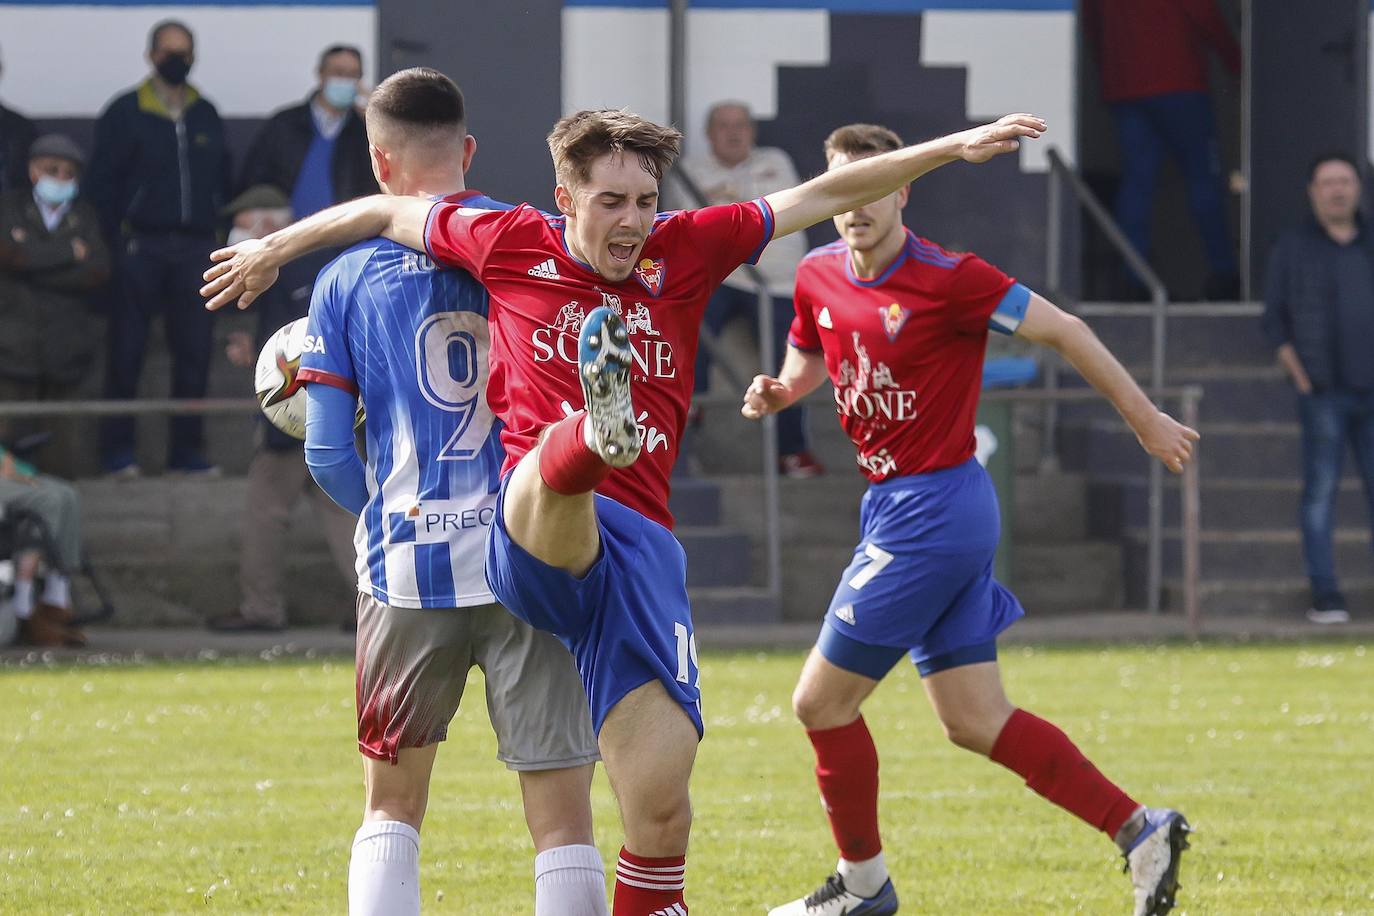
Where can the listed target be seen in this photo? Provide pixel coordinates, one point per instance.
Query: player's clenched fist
(1168, 440)
(764, 395)
(243, 272)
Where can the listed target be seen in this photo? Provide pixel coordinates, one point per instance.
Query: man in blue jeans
(1319, 316)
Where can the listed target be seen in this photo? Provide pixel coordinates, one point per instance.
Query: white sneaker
(833, 899)
(604, 361)
(1332, 615)
(1153, 858)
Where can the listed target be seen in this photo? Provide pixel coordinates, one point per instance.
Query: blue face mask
(54, 191)
(340, 91)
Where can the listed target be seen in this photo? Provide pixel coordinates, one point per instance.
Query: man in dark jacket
(316, 152)
(52, 258)
(160, 176)
(1319, 316)
(16, 135)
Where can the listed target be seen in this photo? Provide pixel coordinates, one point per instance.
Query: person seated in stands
(45, 617)
(52, 259)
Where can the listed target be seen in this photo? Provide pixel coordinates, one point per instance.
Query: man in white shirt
(735, 170)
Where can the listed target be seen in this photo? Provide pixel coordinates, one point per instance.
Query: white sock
(57, 591)
(384, 871)
(864, 878)
(569, 881)
(23, 599)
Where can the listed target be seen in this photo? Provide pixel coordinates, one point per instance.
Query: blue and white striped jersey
(411, 340)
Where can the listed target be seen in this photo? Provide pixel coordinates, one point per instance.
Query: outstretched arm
(244, 271)
(1159, 434)
(857, 183)
(802, 373)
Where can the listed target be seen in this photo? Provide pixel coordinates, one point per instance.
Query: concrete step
(1250, 450)
(695, 501)
(1259, 556)
(1068, 577)
(734, 605)
(1285, 598)
(716, 556)
(1234, 504)
(1230, 394)
(1196, 336)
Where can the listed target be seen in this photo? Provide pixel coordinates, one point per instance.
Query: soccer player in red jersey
(606, 293)
(899, 326)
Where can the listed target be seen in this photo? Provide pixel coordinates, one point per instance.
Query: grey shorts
(412, 666)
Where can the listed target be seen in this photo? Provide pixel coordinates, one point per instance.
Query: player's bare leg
(569, 878)
(384, 871)
(976, 715)
(827, 700)
(648, 746)
(549, 509)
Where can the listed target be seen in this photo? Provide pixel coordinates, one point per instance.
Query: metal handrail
(767, 358)
(1061, 176)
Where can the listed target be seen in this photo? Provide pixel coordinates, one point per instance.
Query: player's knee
(817, 710)
(397, 801)
(666, 818)
(971, 732)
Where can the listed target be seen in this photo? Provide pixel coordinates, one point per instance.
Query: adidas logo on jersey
(846, 613)
(545, 271)
(824, 319)
(674, 910)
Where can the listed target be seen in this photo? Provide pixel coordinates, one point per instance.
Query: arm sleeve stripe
(327, 378)
(767, 229)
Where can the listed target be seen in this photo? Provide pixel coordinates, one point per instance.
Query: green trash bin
(996, 450)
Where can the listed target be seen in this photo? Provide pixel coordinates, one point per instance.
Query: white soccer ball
(281, 393)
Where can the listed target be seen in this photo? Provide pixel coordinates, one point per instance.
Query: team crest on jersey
(649, 273)
(894, 317)
(570, 318)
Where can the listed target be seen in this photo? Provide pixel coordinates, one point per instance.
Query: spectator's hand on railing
(240, 350)
(243, 272)
(979, 144)
(1168, 440)
(764, 395)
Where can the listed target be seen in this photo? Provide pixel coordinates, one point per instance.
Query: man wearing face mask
(52, 258)
(316, 151)
(16, 135)
(159, 176)
(278, 477)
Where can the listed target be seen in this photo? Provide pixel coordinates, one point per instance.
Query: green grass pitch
(234, 787)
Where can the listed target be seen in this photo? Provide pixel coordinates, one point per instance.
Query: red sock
(1055, 768)
(648, 887)
(847, 773)
(566, 464)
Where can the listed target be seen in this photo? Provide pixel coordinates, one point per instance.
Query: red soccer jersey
(540, 294)
(905, 349)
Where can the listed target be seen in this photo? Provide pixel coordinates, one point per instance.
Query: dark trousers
(1181, 124)
(160, 275)
(727, 304)
(1330, 419)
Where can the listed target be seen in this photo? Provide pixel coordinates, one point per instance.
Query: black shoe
(234, 622)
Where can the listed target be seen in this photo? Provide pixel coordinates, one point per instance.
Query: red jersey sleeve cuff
(321, 377)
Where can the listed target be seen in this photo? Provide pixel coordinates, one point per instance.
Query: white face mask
(263, 223)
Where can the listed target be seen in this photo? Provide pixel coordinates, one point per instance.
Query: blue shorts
(921, 578)
(626, 622)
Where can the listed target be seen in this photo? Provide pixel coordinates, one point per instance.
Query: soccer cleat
(1153, 858)
(604, 362)
(833, 899)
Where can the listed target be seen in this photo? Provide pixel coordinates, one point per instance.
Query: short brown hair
(579, 139)
(855, 140)
(419, 99)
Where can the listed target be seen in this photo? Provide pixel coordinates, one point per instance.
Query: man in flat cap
(52, 259)
(278, 477)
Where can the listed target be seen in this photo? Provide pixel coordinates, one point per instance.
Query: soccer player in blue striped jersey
(410, 340)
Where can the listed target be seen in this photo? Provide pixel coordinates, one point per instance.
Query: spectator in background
(1152, 55)
(316, 151)
(159, 177)
(52, 259)
(1319, 316)
(736, 170)
(278, 477)
(45, 618)
(16, 135)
